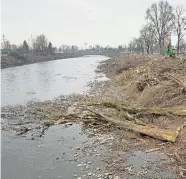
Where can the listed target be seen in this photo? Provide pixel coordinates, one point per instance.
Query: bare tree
(50, 48)
(60, 49)
(14, 47)
(40, 43)
(54, 49)
(160, 16)
(182, 46)
(140, 42)
(97, 48)
(179, 24)
(147, 34)
(25, 46)
(131, 46)
(5, 44)
(74, 48)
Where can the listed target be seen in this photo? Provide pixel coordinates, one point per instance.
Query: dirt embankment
(16, 59)
(148, 81)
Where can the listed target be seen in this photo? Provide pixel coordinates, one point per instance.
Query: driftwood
(163, 111)
(161, 134)
(154, 150)
(130, 110)
(23, 131)
(20, 123)
(43, 130)
(126, 112)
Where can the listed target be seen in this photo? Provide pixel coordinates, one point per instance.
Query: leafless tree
(147, 34)
(14, 47)
(179, 24)
(131, 45)
(5, 44)
(160, 16)
(74, 48)
(40, 43)
(140, 42)
(182, 46)
(60, 49)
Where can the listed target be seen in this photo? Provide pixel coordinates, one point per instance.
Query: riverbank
(137, 82)
(17, 59)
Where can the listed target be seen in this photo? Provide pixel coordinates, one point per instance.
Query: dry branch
(130, 110)
(161, 134)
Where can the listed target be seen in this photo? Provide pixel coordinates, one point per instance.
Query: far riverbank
(16, 59)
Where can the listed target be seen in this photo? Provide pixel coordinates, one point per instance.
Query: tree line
(41, 45)
(162, 21)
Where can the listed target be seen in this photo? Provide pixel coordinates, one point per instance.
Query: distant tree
(182, 46)
(60, 49)
(39, 44)
(139, 45)
(5, 44)
(148, 37)
(50, 48)
(14, 47)
(25, 46)
(54, 49)
(179, 24)
(65, 48)
(160, 16)
(132, 45)
(97, 48)
(74, 48)
(120, 48)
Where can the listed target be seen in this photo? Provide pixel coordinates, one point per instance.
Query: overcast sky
(104, 22)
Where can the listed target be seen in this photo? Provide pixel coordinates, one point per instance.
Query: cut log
(161, 134)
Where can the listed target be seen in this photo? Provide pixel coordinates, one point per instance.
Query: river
(52, 156)
(47, 80)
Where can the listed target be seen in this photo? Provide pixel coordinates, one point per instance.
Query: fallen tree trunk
(130, 110)
(161, 134)
(163, 111)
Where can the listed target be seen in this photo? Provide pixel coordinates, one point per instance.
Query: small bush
(17, 55)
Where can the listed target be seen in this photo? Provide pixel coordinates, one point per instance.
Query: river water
(47, 80)
(52, 156)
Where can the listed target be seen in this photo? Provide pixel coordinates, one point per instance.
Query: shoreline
(21, 60)
(9, 61)
(124, 72)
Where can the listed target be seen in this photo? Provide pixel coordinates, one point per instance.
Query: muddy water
(47, 80)
(54, 155)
